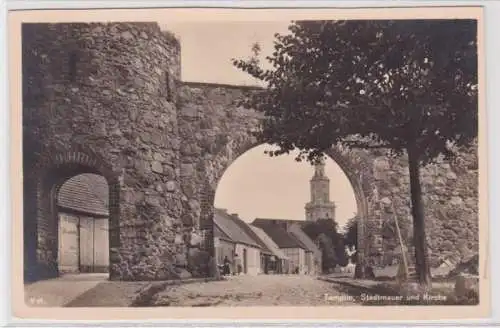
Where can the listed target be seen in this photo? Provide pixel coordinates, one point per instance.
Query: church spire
(320, 206)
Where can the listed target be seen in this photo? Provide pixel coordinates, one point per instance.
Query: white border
(492, 14)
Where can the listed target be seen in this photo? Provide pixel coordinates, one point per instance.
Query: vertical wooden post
(401, 243)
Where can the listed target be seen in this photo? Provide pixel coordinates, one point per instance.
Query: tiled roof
(220, 234)
(270, 244)
(226, 223)
(251, 233)
(304, 246)
(297, 231)
(279, 235)
(87, 193)
(295, 227)
(284, 223)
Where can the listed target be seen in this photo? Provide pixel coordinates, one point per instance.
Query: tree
(340, 252)
(330, 241)
(409, 87)
(351, 232)
(329, 255)
(326, 226)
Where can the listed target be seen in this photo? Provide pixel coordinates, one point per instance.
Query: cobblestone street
(262, 290)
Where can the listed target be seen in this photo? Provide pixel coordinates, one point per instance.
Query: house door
(245, 261)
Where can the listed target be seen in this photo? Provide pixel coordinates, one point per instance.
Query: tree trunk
(419, 238)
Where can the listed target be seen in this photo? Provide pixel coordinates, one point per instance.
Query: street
(262, 290)
(91, 290)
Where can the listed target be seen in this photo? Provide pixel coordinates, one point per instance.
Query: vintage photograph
(287, 162)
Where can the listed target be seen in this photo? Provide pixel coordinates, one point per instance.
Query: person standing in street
(227, 263)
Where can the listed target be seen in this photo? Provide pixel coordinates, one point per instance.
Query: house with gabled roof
(224, 245)
(289, 244)
(312, 253)
(246, 257)
(278, 262)
(266, 254)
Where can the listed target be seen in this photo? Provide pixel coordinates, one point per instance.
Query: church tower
(320, 206)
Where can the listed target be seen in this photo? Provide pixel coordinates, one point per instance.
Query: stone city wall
(108, 99)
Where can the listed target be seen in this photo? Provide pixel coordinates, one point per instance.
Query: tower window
(168, 86)
(73, 58)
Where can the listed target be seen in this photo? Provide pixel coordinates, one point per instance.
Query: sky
(255, 185)
(208, 47)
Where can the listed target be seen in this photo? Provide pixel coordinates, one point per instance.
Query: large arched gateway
(108, 99)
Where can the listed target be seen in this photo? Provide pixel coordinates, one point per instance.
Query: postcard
(202, 163)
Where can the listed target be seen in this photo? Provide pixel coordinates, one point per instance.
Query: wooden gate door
(68, 244)
(86, 244)
(94, 245)
(101, 245)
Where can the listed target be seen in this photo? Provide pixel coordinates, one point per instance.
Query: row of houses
(265, 246)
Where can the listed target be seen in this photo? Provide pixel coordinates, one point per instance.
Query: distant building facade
(278, 262)
(287, 243)
(245, 258)
(320, 206)
(305, 253)
(255, 250)
(314, 255)
(266, 255)
(224, 245)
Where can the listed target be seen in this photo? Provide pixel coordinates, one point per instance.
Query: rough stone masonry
(109, 99)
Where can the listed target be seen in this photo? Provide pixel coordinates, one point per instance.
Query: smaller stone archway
(355, 164)
(41, 222)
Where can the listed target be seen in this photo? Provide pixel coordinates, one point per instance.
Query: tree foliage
(407, 86)
(326, 226)
(351, 232)
(330, 241)
(329, 255)
(368, 84)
